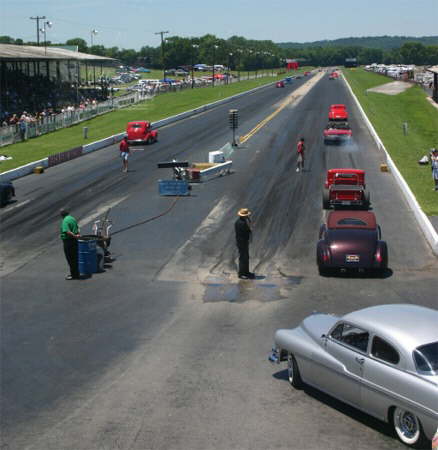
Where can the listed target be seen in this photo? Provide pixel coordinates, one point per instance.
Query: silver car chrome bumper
(274, 356)
(277, 355)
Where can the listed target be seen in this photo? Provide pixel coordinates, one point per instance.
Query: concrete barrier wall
(88, 148)
(23, 170)
(423, 221)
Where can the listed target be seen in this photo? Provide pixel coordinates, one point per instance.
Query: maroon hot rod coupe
(351, 240)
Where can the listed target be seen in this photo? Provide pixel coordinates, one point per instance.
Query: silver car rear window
(426, 359)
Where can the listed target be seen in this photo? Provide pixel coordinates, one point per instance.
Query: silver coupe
(382, 360)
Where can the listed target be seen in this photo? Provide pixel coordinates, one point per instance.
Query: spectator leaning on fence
(22, 128)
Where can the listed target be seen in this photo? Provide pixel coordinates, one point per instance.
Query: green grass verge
(387, 113)
(114, 122)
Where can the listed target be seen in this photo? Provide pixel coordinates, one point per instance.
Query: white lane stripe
(19, 205)
(178, 268)
(101, 211)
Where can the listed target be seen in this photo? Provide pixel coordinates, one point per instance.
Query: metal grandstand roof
(11, 52)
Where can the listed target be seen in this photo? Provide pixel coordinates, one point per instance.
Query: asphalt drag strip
(168, 349)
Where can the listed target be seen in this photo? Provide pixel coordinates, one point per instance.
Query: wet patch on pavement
(260, 290)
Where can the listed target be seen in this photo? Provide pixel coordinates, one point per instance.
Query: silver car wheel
(407, 426)
(293, 372)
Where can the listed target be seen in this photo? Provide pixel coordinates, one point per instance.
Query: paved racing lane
(167, 350)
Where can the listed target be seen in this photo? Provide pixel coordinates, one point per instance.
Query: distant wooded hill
(378, 42)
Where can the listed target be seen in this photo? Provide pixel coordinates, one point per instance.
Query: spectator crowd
(32, 99)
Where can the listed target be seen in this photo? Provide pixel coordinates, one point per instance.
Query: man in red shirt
(300, 158)
(124, 153)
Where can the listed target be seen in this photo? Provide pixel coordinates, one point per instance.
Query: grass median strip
(159, 107)
(388, 113)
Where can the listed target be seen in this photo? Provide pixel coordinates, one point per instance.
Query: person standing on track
(124, 153)
(69, 236)
(242, 228)
(300, 151)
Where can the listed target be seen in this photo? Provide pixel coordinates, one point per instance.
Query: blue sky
(132, 23)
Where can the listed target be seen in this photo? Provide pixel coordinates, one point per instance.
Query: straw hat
(244, 212)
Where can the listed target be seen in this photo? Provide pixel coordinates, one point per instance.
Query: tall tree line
(245, 54)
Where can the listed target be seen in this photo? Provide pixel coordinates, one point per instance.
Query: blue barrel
(87, 255)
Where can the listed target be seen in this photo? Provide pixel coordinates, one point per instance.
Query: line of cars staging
(349, 239)
(383, 359)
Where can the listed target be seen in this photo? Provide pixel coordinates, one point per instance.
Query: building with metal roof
(13, 52)
(29, 74)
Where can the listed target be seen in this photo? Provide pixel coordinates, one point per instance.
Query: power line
(162, 50)
(38, 18)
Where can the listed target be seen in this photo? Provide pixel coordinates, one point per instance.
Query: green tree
(81, 43)
(413, 53)
(7, 40)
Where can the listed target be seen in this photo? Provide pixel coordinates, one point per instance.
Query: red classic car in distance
(351, 240)
(338, 112)
(333, 76)
(345, 187)
(141, 132)
(279, 84)
(337, 132)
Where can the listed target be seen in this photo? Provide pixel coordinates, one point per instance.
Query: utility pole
(162, 33)
(38, 18)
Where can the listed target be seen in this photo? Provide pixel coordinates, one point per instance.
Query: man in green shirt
(69, 237)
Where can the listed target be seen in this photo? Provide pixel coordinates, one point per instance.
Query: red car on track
(337, 132)
(338, 112)
(351, 240)
(333, 76)
(279, 84)
(345, 187)
(141, 132)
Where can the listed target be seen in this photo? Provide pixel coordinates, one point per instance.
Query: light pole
(250, 60)
(194, 46)
(47, 24)
(229, 67)
(215, 47)
(93, 33)
(239, 52)
(161, 33)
